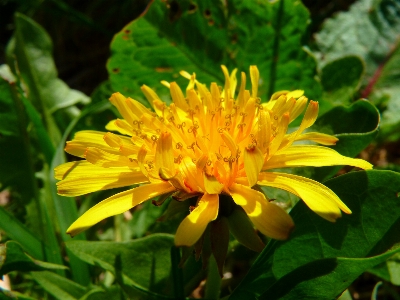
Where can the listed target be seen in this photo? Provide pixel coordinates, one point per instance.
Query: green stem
(177, 273)
(117, 228)
(213, 283)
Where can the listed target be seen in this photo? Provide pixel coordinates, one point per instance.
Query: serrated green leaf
(140, 266)
(199, 36)
(370, 30)
(340, 80)
(15, 259)
(323, 258)
(385, 94)
(58, 286)
(355, 126)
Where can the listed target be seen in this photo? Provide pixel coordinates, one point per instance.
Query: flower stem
(213, 283)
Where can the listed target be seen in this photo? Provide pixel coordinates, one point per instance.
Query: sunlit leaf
(199, 36)
(321, 258)
(370, 30)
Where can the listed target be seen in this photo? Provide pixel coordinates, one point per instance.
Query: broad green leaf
(30, 55)
(58, 286)
(370, 30)
(386, 94)
(15, 259)
(340, 80)
(325, 279)
(323, 258)
(355, 126)
(199, 36)
(389, 270)
(140, 266)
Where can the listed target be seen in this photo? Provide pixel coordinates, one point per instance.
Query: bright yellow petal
(255, 77)
(178, 97)
(119, 101)
(312, 156)
(193, 180)
(212, 185)
(106, 159)
(320, 138)
(118, 204)
(82, 177)
(298, 108)
(278, 136)
(267, 217)
(295, 94)
(122, 127)
(87, 138)
(193, 226)
(164, 154)
(253, 162)
(318, 197)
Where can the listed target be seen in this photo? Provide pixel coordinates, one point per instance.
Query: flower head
(208, 144)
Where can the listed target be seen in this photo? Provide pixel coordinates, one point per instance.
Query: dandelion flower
(208, 144)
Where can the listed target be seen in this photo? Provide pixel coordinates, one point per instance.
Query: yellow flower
(205, 144)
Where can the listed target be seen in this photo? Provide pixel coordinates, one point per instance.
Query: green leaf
(389, 270)
(199, 36)
(355, 126)
(370, 30)
(112, 293)
(18, 174)
(340, 80)
(58, 286)
(14, 145)
(385, 94)
(321, 259)
(329, 277)
(141, 265)
(15, 259)
(18, 231)
(7, 295)
(320, 253)
(31, 57)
